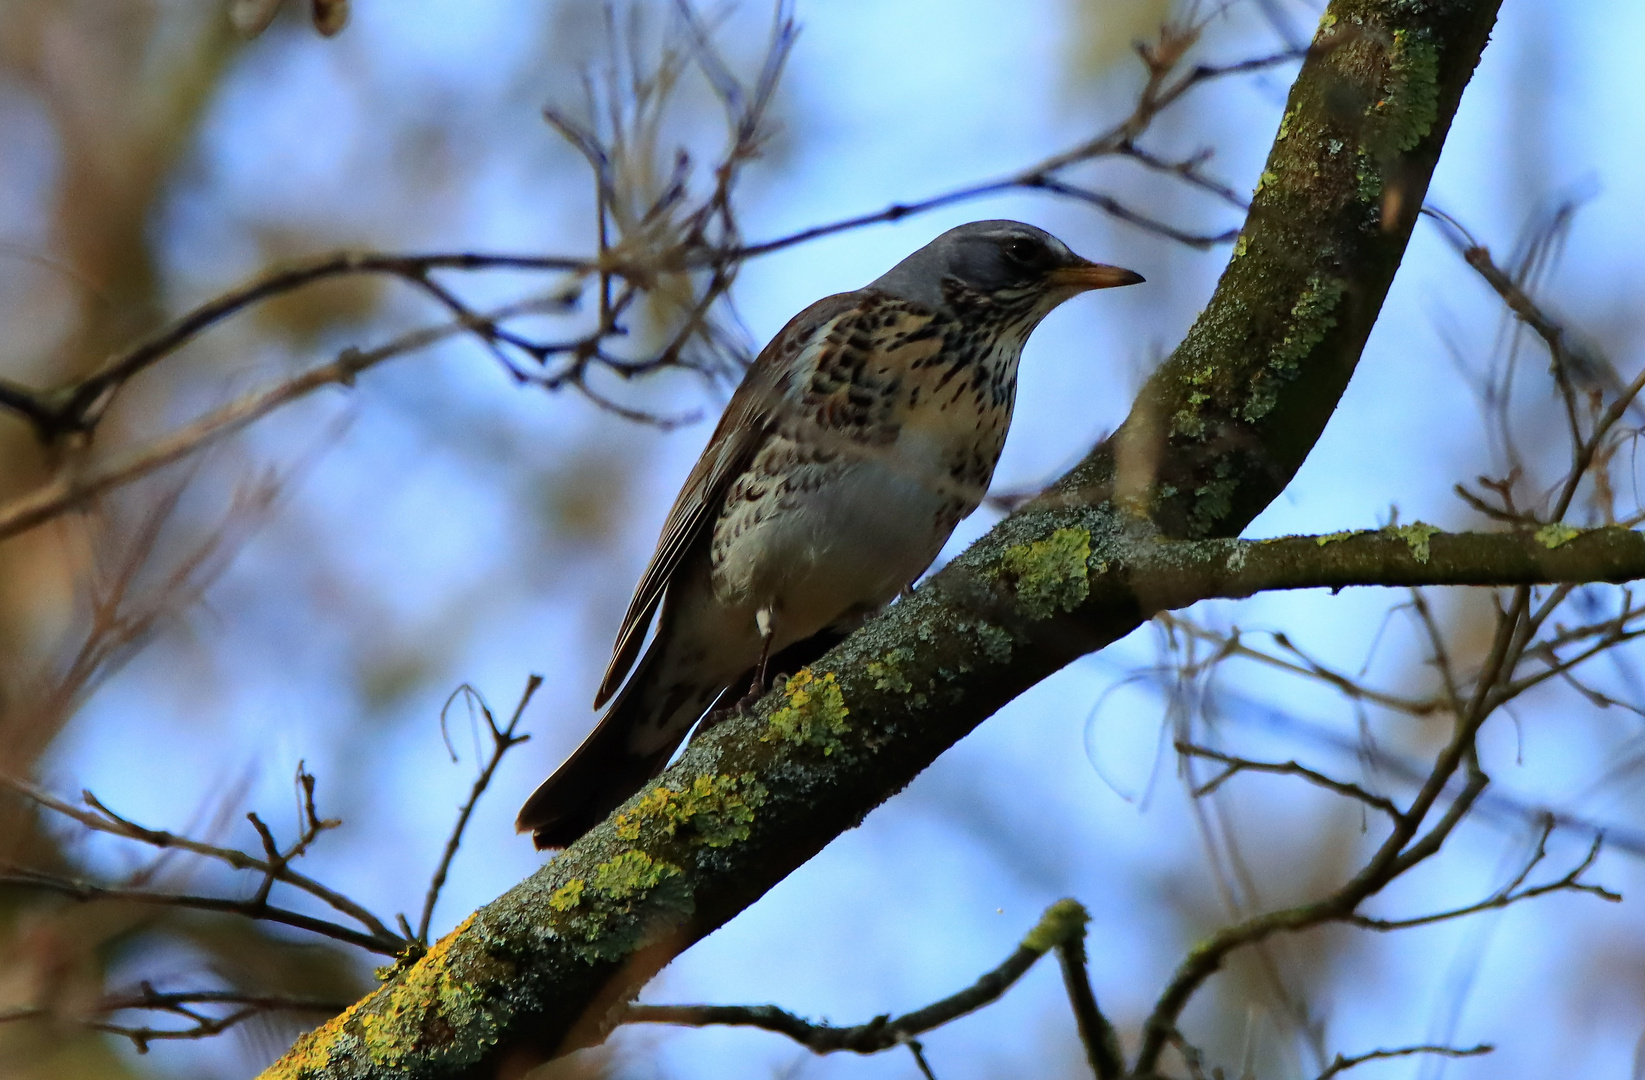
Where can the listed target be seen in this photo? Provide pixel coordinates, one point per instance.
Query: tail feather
(605, 770)
(595, 780)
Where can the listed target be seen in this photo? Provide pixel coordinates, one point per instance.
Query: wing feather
(742, 430)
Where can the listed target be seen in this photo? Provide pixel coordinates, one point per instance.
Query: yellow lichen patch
(1063, 921)
(1050, 574)
(567, 896)
(1556, 534)
(630, 873)
(813, 713)
(311, 1052)
(714, 810)
(1416, 536)
(597, 904)
(430, 1002)
(1331, 538)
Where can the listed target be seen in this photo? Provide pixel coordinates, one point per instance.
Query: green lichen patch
(1416, 536)
(1214, 499)
(1403, 112)
(996, 642)
(714, 810)
(1556, 534)
(887, 672)
(1051, 575)
(1331, 538)
(813, 712)
(1410, 102)
(1063, 921)
(1367, 178)
(1313, 315)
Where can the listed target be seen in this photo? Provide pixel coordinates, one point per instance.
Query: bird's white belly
(846, 539)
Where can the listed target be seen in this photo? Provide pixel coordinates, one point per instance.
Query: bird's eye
(1023, 251)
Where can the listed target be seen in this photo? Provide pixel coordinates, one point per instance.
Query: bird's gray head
(1003, 263)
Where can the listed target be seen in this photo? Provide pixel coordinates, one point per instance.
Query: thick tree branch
(1214, 436)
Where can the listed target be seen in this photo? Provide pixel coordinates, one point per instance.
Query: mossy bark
(1214, 436)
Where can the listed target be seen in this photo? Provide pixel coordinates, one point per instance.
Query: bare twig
(87, 892)
(272, 866)
(79, 406)
(1511, 893)
(503, 739)
(70, 490)
(1160, 92)
(184, 1004)
(1343, 1064)
(1097, 1034)
(1062, 924)
(1237, 765)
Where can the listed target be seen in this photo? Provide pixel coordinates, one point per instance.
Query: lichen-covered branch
(1171, 574)
(1214, 436)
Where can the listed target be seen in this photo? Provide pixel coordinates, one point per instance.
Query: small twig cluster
(206, 1012)
(352, 923)
(1529, 648)
(663, 251)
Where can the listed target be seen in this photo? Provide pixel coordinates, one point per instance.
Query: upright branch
(503, 739)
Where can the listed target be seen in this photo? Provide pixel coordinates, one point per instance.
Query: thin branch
(377, 937)
(87, 892)
(1403, 848)
(1097, 1034)
(1062, 922)
(1306, 666)
(78, 407)
(1237, 765)
(1157, 95)
(72, 489)
(1343, 1064)
(182, 1004)
(1512, 893)
(503, 740)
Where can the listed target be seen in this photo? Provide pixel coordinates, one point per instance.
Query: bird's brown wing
(743, 429)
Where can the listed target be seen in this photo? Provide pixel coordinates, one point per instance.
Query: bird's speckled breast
(894, 427)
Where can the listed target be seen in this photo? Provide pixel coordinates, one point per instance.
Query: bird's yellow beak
(1090, 275)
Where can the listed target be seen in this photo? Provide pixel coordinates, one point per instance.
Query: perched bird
(863, 433)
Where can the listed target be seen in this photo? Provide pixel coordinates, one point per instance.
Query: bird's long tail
(634, 740)
(632, 743)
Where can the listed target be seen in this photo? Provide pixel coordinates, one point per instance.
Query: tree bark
(1216, 433)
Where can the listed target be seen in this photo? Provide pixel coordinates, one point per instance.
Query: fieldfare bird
(862, 434)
